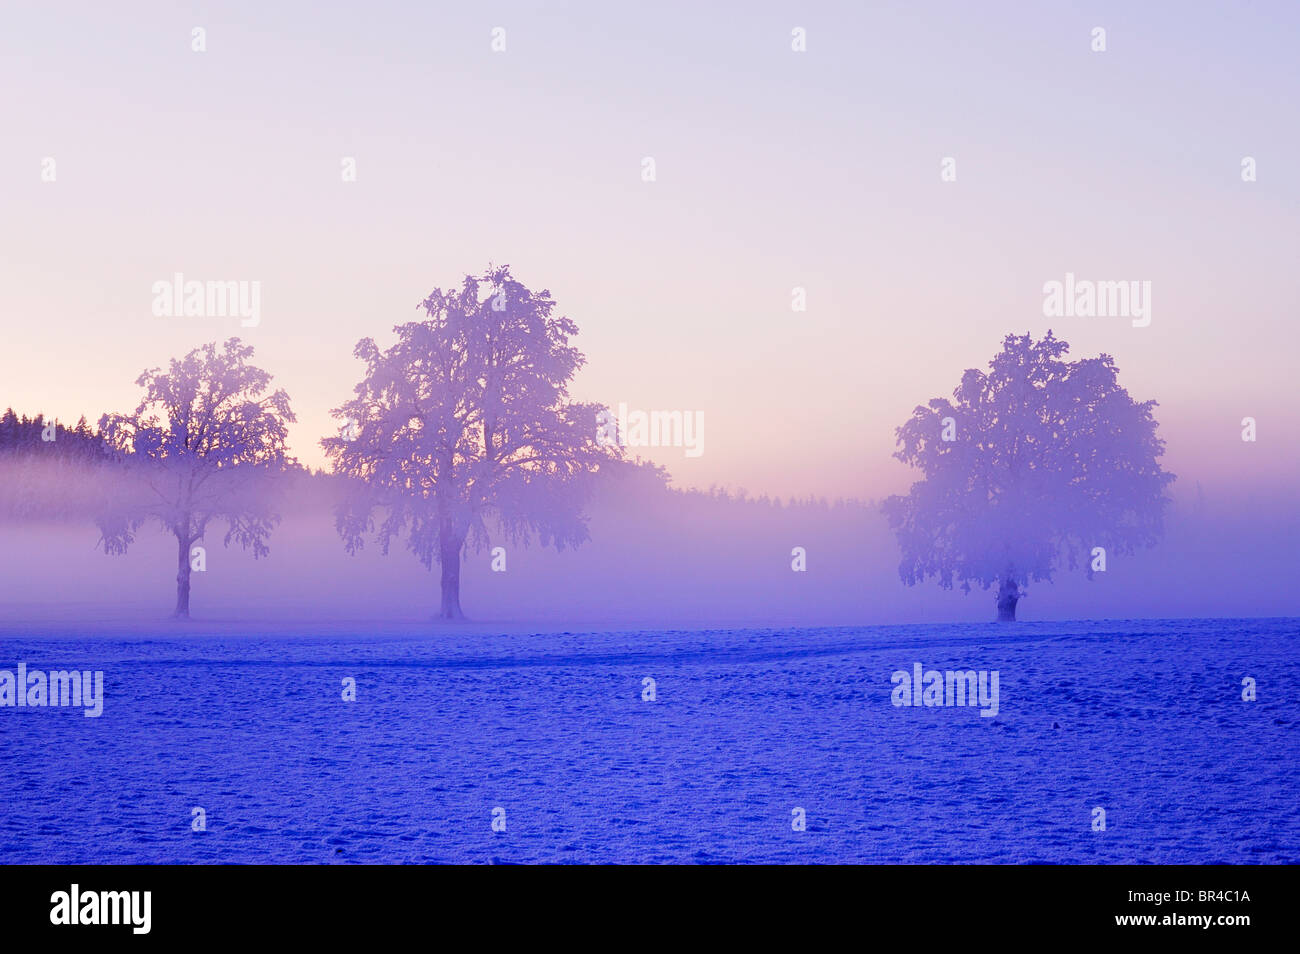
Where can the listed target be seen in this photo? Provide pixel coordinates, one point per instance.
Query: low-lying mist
(656, 556)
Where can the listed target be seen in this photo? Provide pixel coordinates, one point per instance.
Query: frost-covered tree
(205, 443)
(1032, 465)
(464, 426)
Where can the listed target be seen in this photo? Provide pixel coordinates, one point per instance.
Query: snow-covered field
(1144, 719)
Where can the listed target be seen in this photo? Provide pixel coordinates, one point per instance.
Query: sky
(774, 169)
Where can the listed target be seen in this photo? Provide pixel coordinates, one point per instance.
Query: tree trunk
(182, 577)
(1008, 597)
(449, 546)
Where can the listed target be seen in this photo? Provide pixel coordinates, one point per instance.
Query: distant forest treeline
(26, 435)
(49, 471)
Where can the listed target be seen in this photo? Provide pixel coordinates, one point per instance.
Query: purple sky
(775, 169)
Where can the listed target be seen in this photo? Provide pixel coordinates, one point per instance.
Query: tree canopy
(1031, 465)
(464, 427)
(200, 446)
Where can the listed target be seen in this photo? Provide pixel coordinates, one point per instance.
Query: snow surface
(450, 723)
